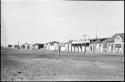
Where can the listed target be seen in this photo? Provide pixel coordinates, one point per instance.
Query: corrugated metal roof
(81, 41)
(70, 41)
(111, 40)
(98, 40)
(52, 43)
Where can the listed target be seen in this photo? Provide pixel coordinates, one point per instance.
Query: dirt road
(41, 65)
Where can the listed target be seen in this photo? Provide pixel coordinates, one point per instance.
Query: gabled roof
(98, 40)
(121, 35)
(111, 40)
(81, 41)
(52, 43)
(38, 44)
(70, 41)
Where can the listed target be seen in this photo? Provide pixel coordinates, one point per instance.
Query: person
(59, 50)
(85, 49)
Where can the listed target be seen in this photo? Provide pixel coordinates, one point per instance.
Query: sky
(41, 21)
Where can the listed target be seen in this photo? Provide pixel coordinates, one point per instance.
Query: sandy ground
(41, 65)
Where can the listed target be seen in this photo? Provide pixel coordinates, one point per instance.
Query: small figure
(59, 50)
(85, 49)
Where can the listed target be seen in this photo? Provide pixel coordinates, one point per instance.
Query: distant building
(96, 45)
(26, 46)
(38, 46)
(68, 45)
(46, 45)
(77, 45)
(80, 45)
(22, 46)
(16, 46)
(10, 46)
(115, 44)
(52, 45)
(63, 46)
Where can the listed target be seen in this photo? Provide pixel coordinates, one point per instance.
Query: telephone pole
(18, 44)
(96, 32)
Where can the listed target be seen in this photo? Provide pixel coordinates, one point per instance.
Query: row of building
(114, 44)
(27, 46)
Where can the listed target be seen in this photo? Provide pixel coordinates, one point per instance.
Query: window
(118, 45)
(117, 37)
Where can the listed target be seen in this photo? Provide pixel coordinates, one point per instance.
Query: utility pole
(85, 44)
(96, 33)
(87, 39)
(18, 45)
(95, 39)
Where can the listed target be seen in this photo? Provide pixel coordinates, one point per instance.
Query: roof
(38, 44)
(70, 41)
(111, 40)
(81, 41)
(52, 43)
(121, 35)
(98, 40)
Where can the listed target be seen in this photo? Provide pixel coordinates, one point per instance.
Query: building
(38, 46)
(46, 45)
(62, 46)
(96, 45)
(68, 45)
(10, 46)
(115, 44)
(79, 45)
(16, 46)
(26, 46)
(52, 45)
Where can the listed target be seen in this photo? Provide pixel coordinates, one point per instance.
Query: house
(68, 45)
(31, 46)
(22, 46)
(46, 45)
(63, 46)
(115, 43)
(9, 46)
(26, 46)
(52, 45)
(119, 43)
(16, 46)
(38, 46)
(96, 44)
(80, 45)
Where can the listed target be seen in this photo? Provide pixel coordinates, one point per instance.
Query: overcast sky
(43, 21)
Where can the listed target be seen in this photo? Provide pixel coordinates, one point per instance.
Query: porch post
(81, 47)
(71, 47)
(78, 47)
(74, 47)
(68, 47)
(114, 48)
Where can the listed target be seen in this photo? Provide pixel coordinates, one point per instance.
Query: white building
(52, 45)
(79, 45)
(96, 45)
(115, 44)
